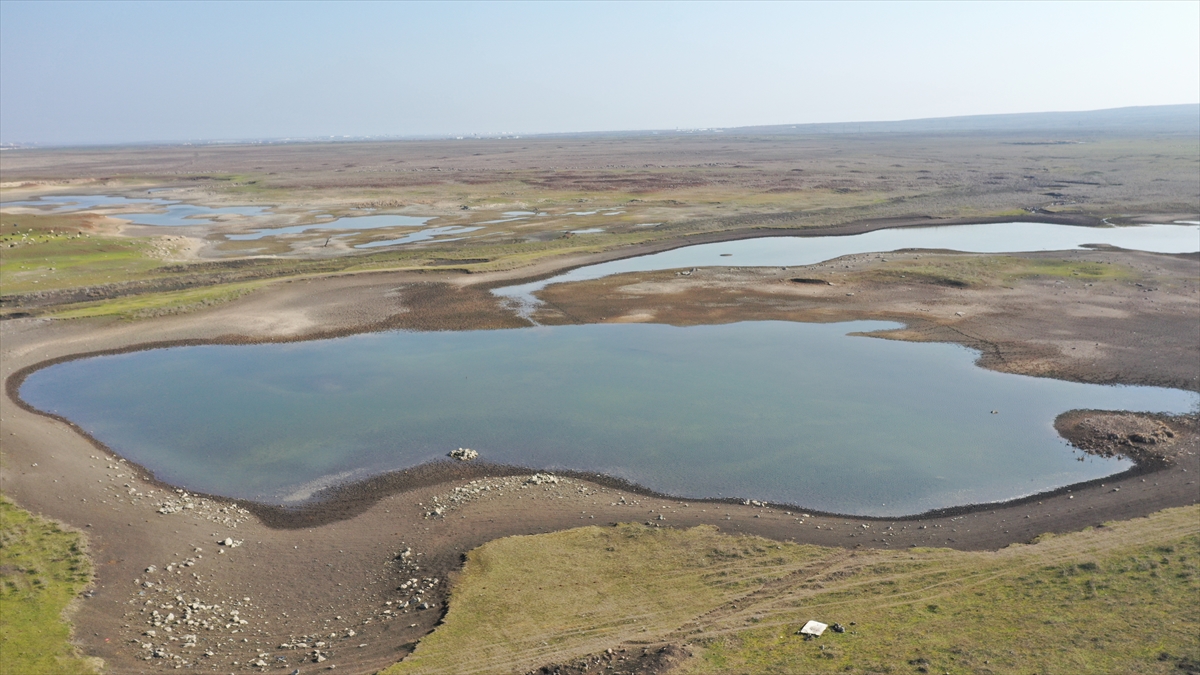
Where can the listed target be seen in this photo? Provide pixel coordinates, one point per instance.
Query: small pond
(165, 212)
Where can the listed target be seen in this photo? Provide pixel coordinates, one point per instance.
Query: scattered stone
(1141, 437)
(464, 454)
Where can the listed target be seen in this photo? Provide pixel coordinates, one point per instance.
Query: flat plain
(707, 586)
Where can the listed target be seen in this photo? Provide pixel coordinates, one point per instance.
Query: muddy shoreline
(346, 500)
(55, 469)
(349, 499)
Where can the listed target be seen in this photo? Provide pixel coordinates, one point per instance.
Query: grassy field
(1120, 598)
(965, 271)
(158, 304)
(42, 568)
(48, 252)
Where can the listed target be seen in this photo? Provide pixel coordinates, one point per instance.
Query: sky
(117, 72)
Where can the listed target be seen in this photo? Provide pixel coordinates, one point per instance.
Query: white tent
(813, 628)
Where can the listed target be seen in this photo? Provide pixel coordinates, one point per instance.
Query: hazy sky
(99, 72)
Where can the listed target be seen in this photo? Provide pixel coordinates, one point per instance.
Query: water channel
(787, 251)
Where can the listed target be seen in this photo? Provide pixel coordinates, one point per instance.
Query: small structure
(813, 628)
(464, 454)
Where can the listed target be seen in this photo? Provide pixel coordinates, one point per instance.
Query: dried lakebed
(775, 411)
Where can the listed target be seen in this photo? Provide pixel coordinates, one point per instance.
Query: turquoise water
(776, 411)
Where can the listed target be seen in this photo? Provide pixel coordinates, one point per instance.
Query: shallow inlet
(785, 251)
(777, 411)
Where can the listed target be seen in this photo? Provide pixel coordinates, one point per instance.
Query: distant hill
(1154, 119)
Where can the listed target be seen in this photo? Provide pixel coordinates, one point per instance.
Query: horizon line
(511, 135)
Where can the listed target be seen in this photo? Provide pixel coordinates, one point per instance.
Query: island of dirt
(201, 583)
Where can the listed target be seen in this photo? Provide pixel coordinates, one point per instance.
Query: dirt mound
(625, 661)
(1141, 437)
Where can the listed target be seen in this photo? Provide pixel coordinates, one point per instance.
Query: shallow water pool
(172, 214)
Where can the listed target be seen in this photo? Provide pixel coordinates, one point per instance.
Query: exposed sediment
(344, 545)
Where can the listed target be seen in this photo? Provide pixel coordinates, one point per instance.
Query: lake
(775, 411)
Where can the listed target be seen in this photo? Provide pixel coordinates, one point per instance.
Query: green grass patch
(159, 304)
(42, 568)
(47, 252)
(1067, 269)
(1128, 609)
(966, 271)
(1118, 598)
(525, 601)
